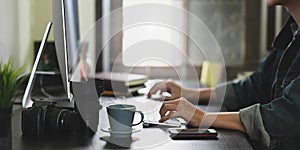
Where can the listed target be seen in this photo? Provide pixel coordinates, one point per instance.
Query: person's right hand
(181, 108)
(167, 86)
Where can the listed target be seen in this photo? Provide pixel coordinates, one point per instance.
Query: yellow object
(245, 74)
(210, 73)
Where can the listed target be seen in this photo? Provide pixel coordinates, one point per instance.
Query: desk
(227, 139)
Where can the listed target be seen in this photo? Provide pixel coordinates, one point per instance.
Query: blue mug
(121, 118)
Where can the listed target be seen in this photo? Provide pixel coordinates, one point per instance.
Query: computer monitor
(66, 37)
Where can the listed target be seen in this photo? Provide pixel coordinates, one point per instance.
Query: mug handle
(142, 118)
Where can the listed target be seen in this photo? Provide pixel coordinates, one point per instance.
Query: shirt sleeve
(277, 119)
(230, 99)
(250, 116)
(252, 120)
(254, 89)
(281, 116)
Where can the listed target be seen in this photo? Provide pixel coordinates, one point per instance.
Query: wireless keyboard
(170, 123)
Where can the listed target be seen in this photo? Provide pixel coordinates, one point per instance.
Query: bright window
(151, 43)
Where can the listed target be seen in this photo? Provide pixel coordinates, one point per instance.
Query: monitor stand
(27, 100)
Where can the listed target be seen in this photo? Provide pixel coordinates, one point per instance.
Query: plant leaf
(8, 82)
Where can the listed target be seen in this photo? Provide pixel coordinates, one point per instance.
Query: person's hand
(166, 86)
(181, 108)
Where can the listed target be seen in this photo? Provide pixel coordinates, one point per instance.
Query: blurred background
(244, 30)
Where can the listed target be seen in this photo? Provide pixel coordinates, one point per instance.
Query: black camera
(49, 119)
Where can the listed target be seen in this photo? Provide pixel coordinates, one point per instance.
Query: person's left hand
(181, 108)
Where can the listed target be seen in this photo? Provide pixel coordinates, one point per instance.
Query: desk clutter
(122, 84)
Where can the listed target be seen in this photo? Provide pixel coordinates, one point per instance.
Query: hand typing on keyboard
(181, 108)
(176, 105)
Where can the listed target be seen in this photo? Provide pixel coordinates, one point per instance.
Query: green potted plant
(9, 84)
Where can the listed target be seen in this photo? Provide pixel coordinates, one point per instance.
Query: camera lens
(52, 119)
(71, 122)
(33, 121)
(63, 121)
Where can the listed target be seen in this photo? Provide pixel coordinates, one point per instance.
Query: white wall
(24, 35)
(8, 29)
(24, 21)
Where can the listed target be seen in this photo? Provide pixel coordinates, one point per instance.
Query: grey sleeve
(226, 96)
(250, 116)
(252, 121)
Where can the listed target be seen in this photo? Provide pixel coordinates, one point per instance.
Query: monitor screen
(66, 37)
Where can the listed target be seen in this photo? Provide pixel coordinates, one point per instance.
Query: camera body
(49, 119)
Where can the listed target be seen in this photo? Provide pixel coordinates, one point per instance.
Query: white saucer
(120, 134)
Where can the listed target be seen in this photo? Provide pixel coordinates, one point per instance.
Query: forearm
(201, 94)
(226, 120)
